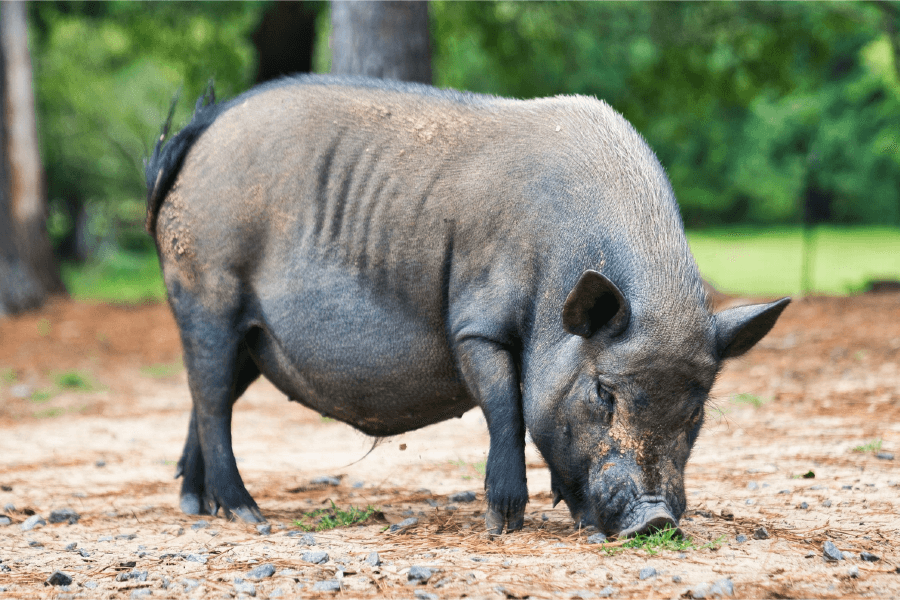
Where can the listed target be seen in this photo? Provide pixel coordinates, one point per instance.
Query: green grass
(767, 262)
(665, 539)
(163, 370)
(873, 446)
(8, 375)
(330, 518)
(74, 381)
(751, 399)
(122, 277)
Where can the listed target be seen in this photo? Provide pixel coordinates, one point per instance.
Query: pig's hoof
(495, 519)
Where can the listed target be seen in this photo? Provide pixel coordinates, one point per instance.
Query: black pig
(393, 255)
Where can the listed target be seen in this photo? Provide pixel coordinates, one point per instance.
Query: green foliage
(873, 446)
(330, 518)
(663, 539)
(74, 381)
(163, 370)
(8, 375)
(41, 396)
(123, 277)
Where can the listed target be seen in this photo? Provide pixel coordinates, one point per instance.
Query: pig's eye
(606, 403)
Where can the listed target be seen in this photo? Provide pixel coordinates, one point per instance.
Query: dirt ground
(94, 410)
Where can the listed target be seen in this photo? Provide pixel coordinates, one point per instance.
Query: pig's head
(625, 402)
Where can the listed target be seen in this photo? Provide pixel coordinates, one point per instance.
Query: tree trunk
(28, 271)
(389, 40)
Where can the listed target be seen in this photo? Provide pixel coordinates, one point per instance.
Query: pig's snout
(648, 516)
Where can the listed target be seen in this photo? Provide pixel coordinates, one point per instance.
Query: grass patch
(8, 375)
(665, 539)
(121, 277)
(768, 261)
(751, 399)
(41, 396)
(49, 413)
(74, 381)
(163, 370)
(323, 519)
(873, 446)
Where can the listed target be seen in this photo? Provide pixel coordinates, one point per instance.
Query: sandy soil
(827, 380)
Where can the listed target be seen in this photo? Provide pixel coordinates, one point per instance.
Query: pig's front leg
(491, 376)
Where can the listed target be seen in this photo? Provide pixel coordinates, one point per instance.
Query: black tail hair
(164, 164)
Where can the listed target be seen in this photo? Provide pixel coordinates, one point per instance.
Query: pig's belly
(375, 362)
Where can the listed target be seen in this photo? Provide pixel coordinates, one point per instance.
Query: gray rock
(404, 524)
(329, 585)
(357, 484)
(761, 534)
(723, 587)
(141, 593)
(700, 591)
(752, 486)
(62, 515)
(9, 507)
(676, 579)
(194, 558)
(827, 504)
(105, 538)
(59, 578)
(262, 571)
(831, 552)
(462, 497)
(853, 572)
(70, 547)
(885, 456)
(741, 538)
(201, 524)
(126, 536)
(277, 593)
(373, 559)
(846, 487)
(451, 507)
(647, 573)
(190, 584)
(326, 480)
(5, 520)
(606, 592)
(84, 553)
(307, 539)
(32, 522)
(597, 538)
(869, 557)
(419, 574)
(91, 585)
(264, 529)
(245, 587)
(804, 506)
(100, 464)
(423, 595)
(133, 575)
(750, 501)
(317, 557)
(35, 544)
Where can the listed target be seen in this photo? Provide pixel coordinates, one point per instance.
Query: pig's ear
(594, 303)
(738, 329)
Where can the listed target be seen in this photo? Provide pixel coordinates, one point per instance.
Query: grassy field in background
(744, 260)
(768, 262)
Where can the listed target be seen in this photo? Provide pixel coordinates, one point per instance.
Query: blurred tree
(285, 39)
(28, 271)
(389, 40)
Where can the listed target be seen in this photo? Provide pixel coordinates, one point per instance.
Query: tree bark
(28, 270)
(388, 40)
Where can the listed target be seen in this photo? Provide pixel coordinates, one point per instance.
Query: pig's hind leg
(219, 369)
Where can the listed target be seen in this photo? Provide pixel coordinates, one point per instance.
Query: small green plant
(41, 396)
(75, 381)
(664, 539)
(327, 419)
(873, 446)
(8, 375)
(329, 518)
(467, 468)
(163, 370)
(751, 399)
(480, 466)
(49, 413)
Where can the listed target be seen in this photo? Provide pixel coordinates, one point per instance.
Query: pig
(392, 255)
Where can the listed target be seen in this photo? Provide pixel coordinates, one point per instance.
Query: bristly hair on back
(163, 165)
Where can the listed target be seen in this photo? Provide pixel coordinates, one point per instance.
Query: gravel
(423, 595)
(329, 585)
(885, 456)
(264, 529)
(201, 524)
(133, 575)
(373, 559)
(70, 547)
(741, 539)
(5, 521)
(462, 497)
(869, 557)
(141, 593)
(827, 504)
(404, 524)
(307, 539)
(419, 574)
(317, 557)
(59, 578)
(752, 486)
(326, 480)
(32, 522)
(597, 538)
(263, 571)
(853, 572)
(62, 515)
(244, 587)
(606, 592)
(722, 587)
(761, 534)
(831, 552)
(647, 573)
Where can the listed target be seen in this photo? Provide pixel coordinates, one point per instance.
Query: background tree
(389, 40)
(28, 271)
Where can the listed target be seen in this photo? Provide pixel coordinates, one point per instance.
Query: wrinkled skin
(392, 256)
